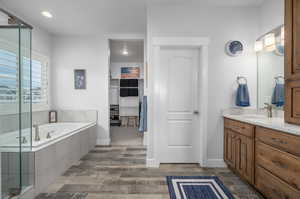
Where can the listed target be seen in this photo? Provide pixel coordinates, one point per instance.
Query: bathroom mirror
(270, 61)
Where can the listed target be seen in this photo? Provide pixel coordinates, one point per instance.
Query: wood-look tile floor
(119, 172)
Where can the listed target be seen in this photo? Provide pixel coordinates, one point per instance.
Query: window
(40, 89)
(8, 77)
(9, 84)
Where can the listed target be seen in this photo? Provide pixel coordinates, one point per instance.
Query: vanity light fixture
(47, 14)
(269, 42)
(258, 46)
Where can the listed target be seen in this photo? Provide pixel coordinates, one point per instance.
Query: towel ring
(277, 78)
(239, 78)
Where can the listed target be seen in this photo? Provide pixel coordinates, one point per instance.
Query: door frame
(157, 43)
(109, 37)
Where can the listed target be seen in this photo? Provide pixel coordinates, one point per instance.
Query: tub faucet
(37, 133)
(49, 134)
(23, 139)
(269, 108)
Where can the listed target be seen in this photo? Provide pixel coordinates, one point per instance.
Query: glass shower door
(25, 79)
(17, 160)
(9, 116)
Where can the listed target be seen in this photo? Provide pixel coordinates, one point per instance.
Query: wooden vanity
(267, 159)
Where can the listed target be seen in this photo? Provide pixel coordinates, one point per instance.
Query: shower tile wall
(77, 116)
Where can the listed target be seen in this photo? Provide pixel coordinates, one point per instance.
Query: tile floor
(119, 172)
(125, 136)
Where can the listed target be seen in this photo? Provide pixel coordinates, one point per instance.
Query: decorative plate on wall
(234, 48)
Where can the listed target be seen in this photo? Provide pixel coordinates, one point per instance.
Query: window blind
(9, 75)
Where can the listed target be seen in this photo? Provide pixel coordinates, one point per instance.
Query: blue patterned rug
(197, 187)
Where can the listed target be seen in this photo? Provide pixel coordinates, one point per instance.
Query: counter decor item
(234, 48)
(52, 116)
(80, 79)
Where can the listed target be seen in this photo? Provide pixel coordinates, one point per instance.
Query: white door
(178, 106)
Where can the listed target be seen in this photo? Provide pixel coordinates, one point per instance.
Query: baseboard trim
(216, 163)
(152, 163)
(103, 142)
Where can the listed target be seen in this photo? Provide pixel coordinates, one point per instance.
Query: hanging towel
(278, 95)
(242, 97)
(143, 118)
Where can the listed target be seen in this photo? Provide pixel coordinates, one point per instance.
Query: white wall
(79, 52)
(220, 24)
(271, 15)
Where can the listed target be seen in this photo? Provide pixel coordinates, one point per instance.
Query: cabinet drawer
(283, 141)
(272, 187)
(281, 164)
(239, 127)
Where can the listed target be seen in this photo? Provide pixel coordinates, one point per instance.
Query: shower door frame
(19, 25)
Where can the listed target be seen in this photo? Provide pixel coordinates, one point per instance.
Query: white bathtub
(58, 132)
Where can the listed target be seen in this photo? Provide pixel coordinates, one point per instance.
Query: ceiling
(79, 17)
(135, 50)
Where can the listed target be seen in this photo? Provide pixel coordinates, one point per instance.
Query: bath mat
(197, 187)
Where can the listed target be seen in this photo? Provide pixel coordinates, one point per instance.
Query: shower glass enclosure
(17, 163)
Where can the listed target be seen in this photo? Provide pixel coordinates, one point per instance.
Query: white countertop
(276, 123)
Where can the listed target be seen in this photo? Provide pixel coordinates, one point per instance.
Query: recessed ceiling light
(125, 52)
(47, 14)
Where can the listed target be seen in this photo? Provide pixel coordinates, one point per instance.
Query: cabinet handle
(237, 128)
(280, 164)
(297, 114)
(277, 140)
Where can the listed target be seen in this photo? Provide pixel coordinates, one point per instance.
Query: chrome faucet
(37, 133)
(269, 109)
(49, 134)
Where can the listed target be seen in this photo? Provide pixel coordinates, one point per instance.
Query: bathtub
(51, 157)
(57, 131)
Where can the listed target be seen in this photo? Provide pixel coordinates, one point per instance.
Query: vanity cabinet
(239, 148)
(268, 159)
(292, 61)
(277, 164)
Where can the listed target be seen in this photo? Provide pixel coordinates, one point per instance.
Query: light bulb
(269, 42)
(282, 36)
(258, 46)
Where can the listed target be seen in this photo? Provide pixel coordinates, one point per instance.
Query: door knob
(196, 112)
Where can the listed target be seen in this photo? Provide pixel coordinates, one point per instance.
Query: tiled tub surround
(261, 119)
(71, 138)
(8, 122)
(57, 132)
(54, 159)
